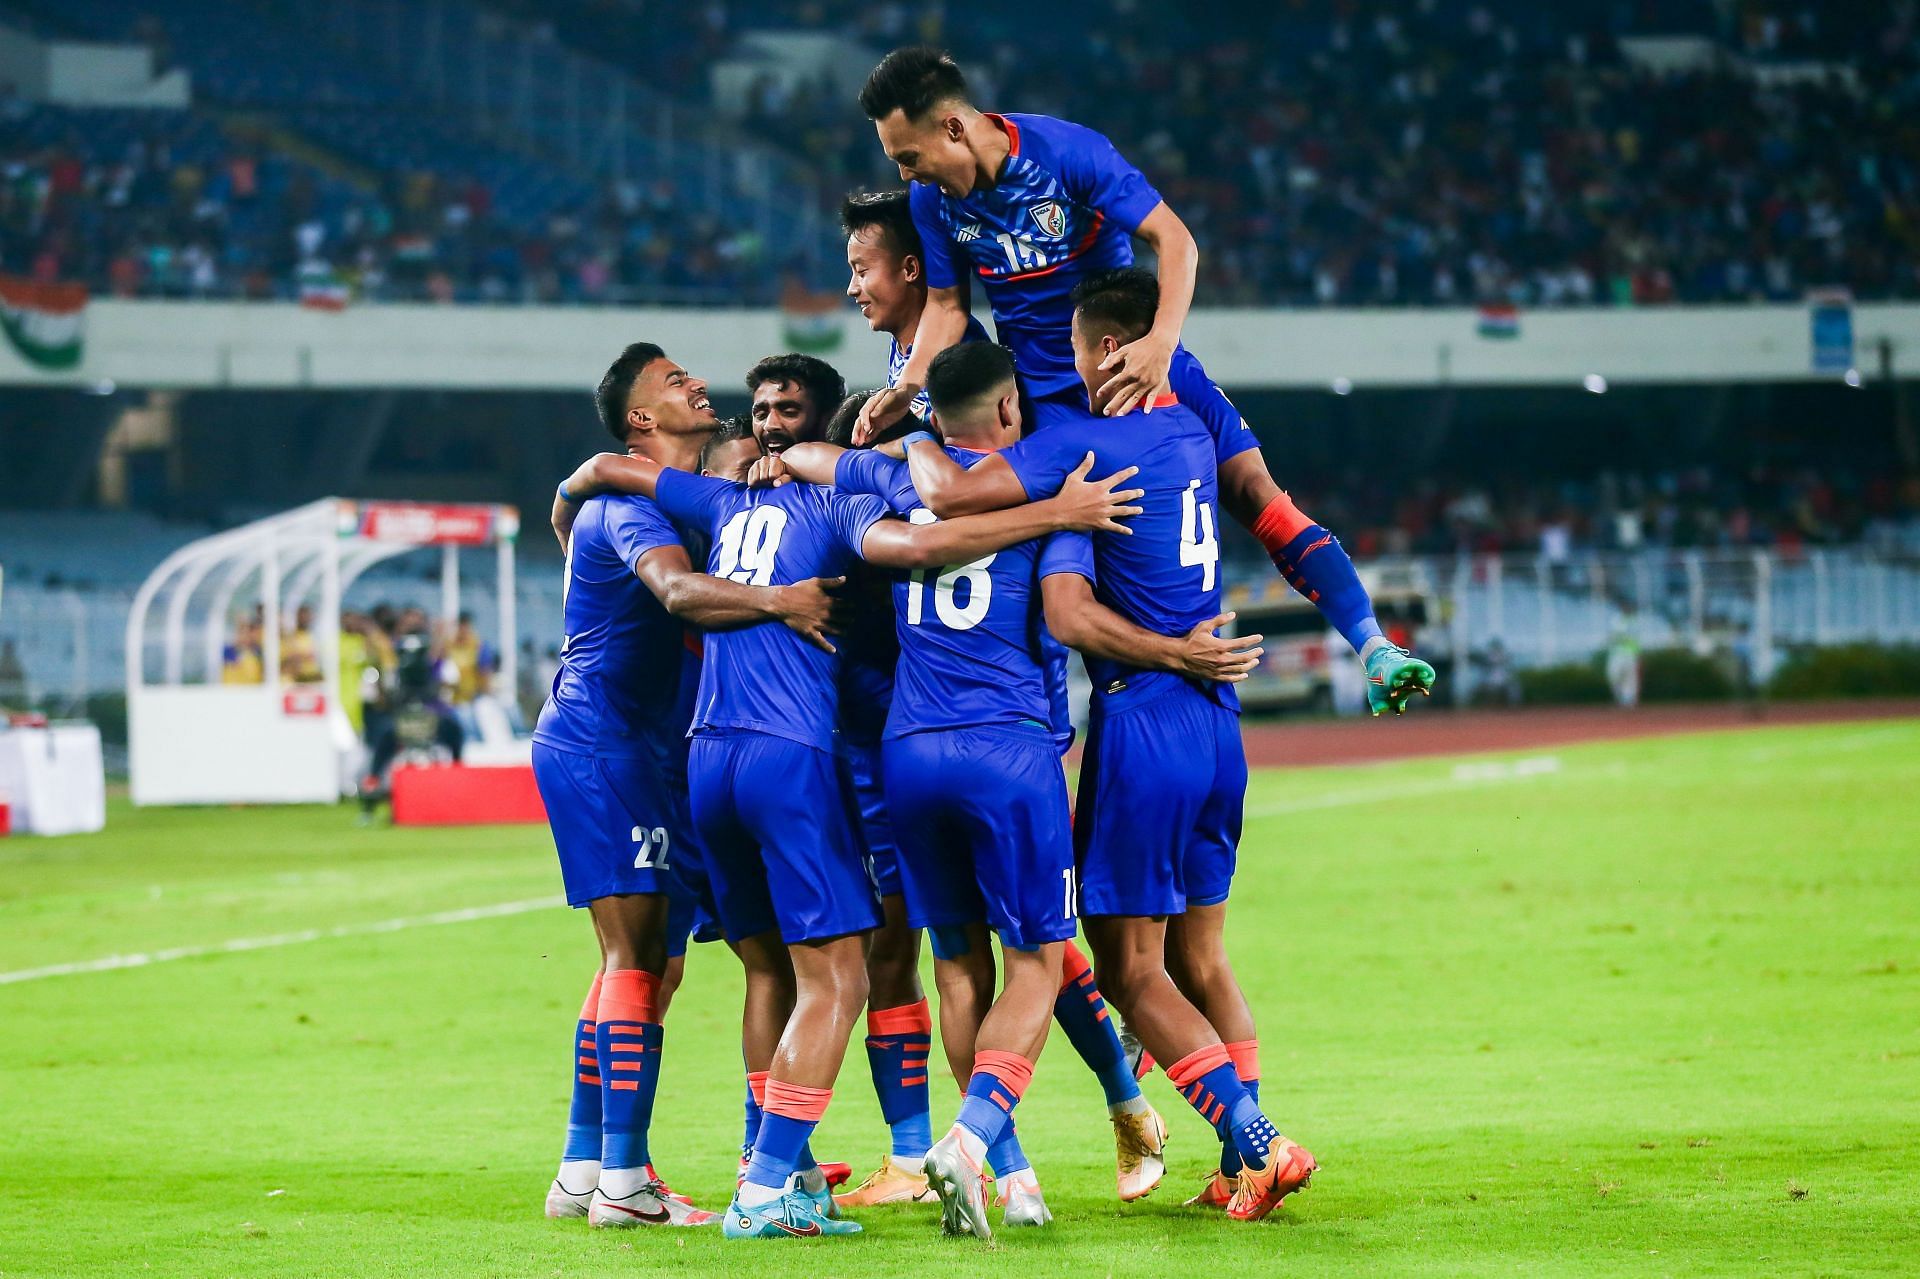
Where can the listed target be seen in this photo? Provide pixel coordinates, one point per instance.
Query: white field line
(240, 945)
(1463, 777)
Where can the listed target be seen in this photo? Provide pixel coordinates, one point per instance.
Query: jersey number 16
(953, 616)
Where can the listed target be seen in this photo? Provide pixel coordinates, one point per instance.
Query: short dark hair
(962, 374)
(911, 80)
(822, 381)
(888, 210)
(610, 398)
(1121, 301)
(730, 430)
(840, 425)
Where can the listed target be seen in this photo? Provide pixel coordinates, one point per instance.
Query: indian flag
(1499, 320)
(321, 288)
(811, 322)
(45, 323)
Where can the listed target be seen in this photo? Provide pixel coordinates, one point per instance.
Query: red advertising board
(427, 523)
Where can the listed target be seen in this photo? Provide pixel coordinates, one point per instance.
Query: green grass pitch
(1649, 1008)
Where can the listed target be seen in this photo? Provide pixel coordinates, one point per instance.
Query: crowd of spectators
(1324, 152)
(168, 206)
(1779, 509)
(1441, 152)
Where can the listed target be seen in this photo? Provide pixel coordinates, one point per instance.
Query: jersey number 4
(748, 544)
(1198, 544)
(953, 615)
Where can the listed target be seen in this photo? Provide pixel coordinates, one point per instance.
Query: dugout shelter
(194, 739)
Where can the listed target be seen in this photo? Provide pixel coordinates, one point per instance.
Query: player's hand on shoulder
(1218, 658)
(1091, 506)
(811, 609)
(885, 407)
(769, 473)
(1140, 375)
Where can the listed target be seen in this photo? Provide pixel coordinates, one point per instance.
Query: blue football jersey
(1066, 204)
(969, 634)
(897, 357)
(1165, 575)
(626, 663)
(765, 677)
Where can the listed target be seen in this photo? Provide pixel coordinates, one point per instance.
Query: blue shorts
(984, 831)
(875, 830)
(1191, 385)
(621, 826)
(1162, 788)
(777, 827)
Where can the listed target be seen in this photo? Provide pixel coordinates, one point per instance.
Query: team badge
(967, 233)
(1051, 218)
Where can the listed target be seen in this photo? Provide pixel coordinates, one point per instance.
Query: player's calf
(1139, 1136)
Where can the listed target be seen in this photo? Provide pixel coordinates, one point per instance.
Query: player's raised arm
(715, 604)
(601, 473)
(950, 490)
(1082, 505)
(942, 323)
(609, 473)
(1140, 368)
(1079, 620)
(705, 601)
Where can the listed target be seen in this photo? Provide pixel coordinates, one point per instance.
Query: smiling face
(670, 400)
(883, 282)
(932, 148)
(784, 414)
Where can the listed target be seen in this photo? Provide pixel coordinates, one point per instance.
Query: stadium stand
(1449, 152)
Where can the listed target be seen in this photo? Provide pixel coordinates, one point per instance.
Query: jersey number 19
(748, 543)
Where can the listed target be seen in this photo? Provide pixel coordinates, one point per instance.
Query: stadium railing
(1751, 605)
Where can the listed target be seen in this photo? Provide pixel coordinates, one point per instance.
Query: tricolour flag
(812, 322)
(45, 323)
(1499, 320)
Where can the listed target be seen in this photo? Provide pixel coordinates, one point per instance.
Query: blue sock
(1252, 1130)
(999, 1078)
(776, 1151)
(898, 1041)
(627, 1041)
(1082, 1013)
(583, 1112)
(1207, 1080)
(1230, 1160)
(751, 1129)
(1005, 1156)
(1319, 568)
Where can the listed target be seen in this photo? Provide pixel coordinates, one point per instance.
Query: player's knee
(1034, 969)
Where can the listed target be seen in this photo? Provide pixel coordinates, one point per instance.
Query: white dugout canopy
(195, 740)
